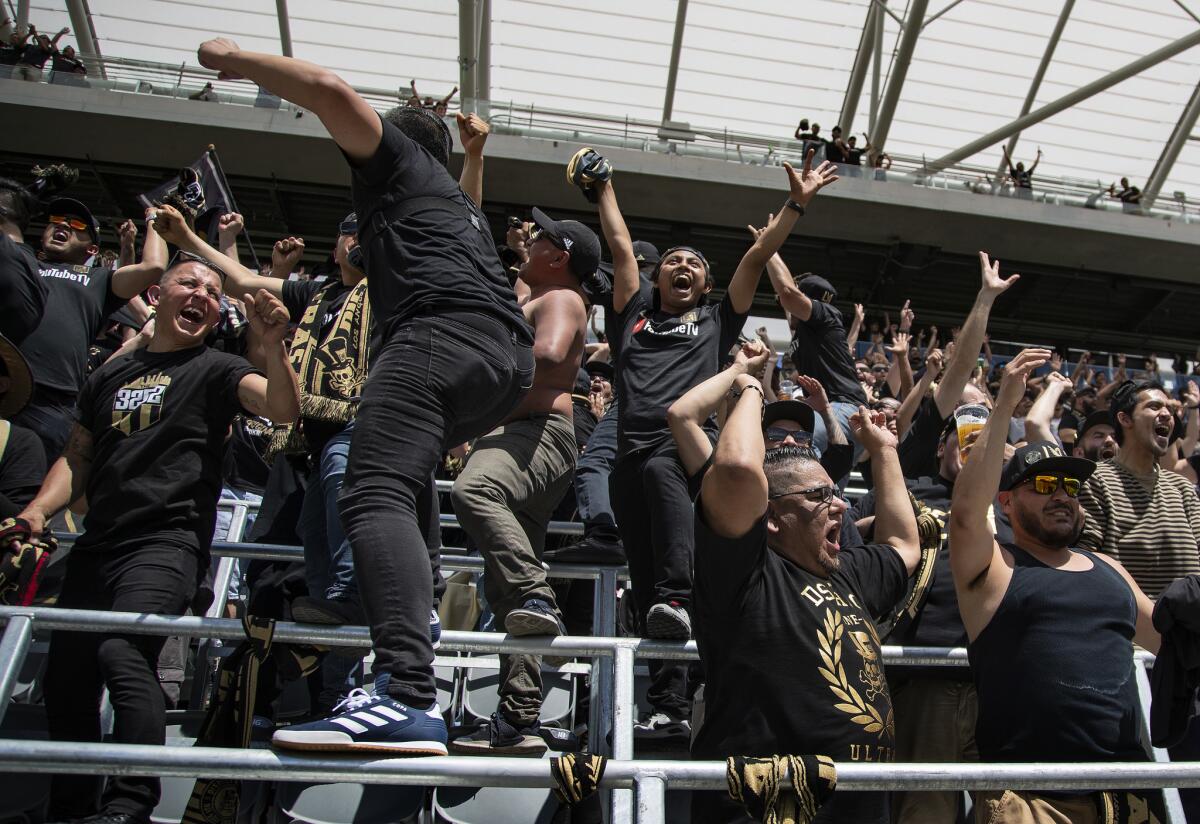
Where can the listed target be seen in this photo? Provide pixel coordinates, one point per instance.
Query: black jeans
(157, 577)
(591, 478)
(437, 382)
(650, 498)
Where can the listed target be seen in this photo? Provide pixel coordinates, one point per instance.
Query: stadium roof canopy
(752, 66)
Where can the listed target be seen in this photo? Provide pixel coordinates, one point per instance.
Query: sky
(752, 66)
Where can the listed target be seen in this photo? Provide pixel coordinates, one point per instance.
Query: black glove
(586, 168)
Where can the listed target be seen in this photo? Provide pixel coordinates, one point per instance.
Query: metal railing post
(13, 646)
(651, 799)
(622, 724)
(1171, 799)
(604, 625)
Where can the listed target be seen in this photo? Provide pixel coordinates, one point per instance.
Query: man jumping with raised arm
(784, 613)
(1050, 627)
(454, 358)
(671, 339)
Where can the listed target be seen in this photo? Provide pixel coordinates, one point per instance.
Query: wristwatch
(791, 204)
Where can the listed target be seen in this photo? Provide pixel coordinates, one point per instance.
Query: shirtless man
(518, 473)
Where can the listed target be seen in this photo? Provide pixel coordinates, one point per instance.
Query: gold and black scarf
(331, 371)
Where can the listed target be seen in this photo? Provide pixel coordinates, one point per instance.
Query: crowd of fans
(29, 51)
(1024, 505)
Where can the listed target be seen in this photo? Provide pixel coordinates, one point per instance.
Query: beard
(1055, 534)
(1099, 453)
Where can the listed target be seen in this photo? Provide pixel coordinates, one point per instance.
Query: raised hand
(752, 357)
(805, 184)
(268, 317)
(907, 316)
(230, 225)
(870, 430)
(1056, 362)
(169, 223)
(860, 314)
(285, 255)
(127, 232)
(899, 346)
(214, 54)
(1016, 374)
(757, 232)
(814, 394)
(473, 132)
(1191, 395)
(993, 285)
(934, 360)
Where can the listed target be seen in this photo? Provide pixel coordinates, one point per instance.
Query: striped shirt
(1150, 523)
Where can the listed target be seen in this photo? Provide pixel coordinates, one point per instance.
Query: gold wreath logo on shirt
(850, 700)
(138, 404)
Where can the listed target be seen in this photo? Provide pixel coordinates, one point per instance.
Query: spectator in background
(37, 49)
(207, 94)
(853, 153)
(802, 132)
(22, 459)
(66, 62)
(79, 299)
(1021, 177)
(836, 148)
(1128, 194)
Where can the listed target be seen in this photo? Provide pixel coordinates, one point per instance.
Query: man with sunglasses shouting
(785, 613)
(79, 297)
(1051, 628)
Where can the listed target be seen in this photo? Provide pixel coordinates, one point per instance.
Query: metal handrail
(508, 117)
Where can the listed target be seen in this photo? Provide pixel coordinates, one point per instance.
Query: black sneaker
(534, 617)
(593, 549)
(658, 726)
(309, 610)
(499, 737)
(668, 622)
(111, 818)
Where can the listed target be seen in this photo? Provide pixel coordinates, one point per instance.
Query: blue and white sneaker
(435, 628)
(370, 723)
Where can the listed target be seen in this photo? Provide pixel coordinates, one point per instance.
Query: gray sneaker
(668, 622)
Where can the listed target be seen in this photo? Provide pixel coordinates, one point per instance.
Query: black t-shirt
(79, 298)
(1023, 178)
(918, 450)
(660, 357)
(854, 157)
(436, 260)
(244, 466)
(22, 468)
(22, 291)
(158, 422)
(67, 65)
(791, 659)
(34, 54)
(819, 351)
(834, 153)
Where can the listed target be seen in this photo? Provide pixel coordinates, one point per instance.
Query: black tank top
(1054, 667)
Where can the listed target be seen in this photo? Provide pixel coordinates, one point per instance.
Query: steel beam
(936, 15)
(467, 51)
(1170, 152)
(1047, 55)
(676, 48)
(483, 68)
(285, 28)
(1068, 100)
(85, 37)
(876, 65)
(891, 95)
(858, 72)
(22, 16)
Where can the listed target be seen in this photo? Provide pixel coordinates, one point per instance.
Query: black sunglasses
(539, 232)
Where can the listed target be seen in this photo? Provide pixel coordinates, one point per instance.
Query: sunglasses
(74, 222)
(776, 433)
(818, 494)
(1048, 484)
(187, 257)
(548, 235)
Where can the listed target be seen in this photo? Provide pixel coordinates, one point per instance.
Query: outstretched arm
(970, 339)
(65, 482)
(239, 281)
(895, 523)
(687, 415)
(136, 278)
(277, 396)
(473, 132)
(1037, 420)
(626, 280)
(734, 491)
(351, 121)
(855, 327)
(980, 574)
(802, 188)
(1036, 161)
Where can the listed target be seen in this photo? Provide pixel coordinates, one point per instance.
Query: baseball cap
(1043, 457)
(816, 287)
(579, 242)
(646, 253)
(20, 378)
(796, 411)
(603, 369)
(1094, 419)
(71, 206)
